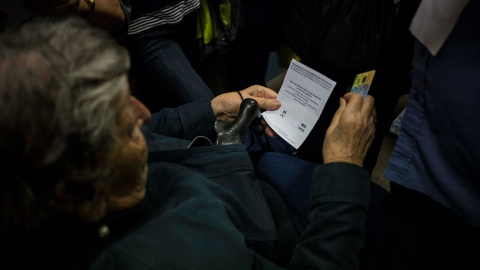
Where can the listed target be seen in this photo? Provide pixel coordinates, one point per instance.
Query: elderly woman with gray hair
(89, 184)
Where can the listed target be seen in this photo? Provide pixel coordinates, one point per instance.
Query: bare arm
(108, 14)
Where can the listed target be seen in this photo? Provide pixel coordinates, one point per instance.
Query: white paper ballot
(303, 96)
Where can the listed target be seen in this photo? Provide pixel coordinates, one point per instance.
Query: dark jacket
(217, 216)
(205, 209)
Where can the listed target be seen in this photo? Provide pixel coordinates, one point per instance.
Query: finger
(348, 96)
(374, 114)
(372, 118)
(369, 106)
(268, 130)
(371, 134)
(268, 104)
(354, 101)
(338, 114)
(260, 91)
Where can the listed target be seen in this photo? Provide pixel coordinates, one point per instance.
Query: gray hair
(60, 86)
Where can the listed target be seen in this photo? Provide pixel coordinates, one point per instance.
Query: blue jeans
(161, 69)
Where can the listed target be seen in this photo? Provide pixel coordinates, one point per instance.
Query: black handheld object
(234, 132)
(259, 131)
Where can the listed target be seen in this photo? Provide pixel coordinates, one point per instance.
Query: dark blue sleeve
(335, 234)
(185, 122)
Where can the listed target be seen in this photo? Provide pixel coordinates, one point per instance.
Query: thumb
(338, 114)
(268, 103)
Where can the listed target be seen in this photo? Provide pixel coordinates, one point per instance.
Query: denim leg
(291, 178)
(163, 76)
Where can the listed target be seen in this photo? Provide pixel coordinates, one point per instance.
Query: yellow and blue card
(362, 83)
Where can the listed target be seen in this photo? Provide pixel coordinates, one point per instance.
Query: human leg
(162, 74)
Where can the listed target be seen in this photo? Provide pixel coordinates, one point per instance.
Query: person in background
(434, 172)
(160, 36)
(162, 43)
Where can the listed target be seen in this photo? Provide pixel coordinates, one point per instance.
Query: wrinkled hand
(226, 106)
(352, 130)
(55, 7)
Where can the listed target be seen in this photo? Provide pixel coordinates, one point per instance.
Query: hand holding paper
(226, 106)
(352, 130)
(303, 96)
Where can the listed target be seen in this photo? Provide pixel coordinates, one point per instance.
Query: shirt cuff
(340, 182)
(198, 119)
